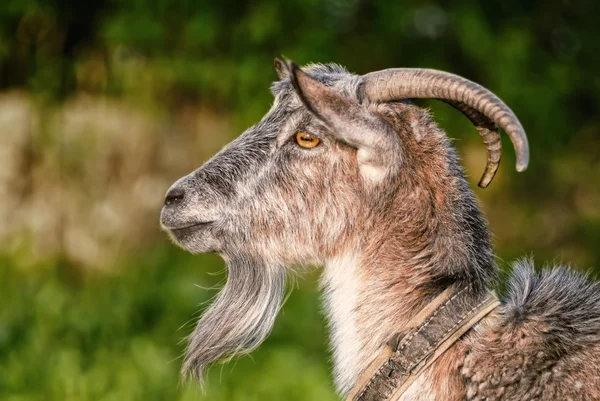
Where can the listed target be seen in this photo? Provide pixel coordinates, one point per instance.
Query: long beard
(239, 319)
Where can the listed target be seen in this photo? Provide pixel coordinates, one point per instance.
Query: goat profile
(344, 172)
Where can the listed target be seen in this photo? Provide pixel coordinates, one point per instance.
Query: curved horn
(481, 106)
(490, 136)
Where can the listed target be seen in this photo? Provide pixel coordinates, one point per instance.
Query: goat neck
(430, 236)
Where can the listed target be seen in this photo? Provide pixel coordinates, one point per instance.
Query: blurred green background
(104, 103)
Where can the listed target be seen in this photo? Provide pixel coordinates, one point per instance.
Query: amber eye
(307, 140)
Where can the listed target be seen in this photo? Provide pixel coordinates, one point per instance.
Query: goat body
(382, 204)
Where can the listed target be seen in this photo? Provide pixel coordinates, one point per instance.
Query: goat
(344, 172)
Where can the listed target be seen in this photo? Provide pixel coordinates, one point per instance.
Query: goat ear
(281, 69)
(378, 146)
(330, 106)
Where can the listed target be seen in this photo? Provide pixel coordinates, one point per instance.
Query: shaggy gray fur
(240, 317)
(567, 301)
(546, 343)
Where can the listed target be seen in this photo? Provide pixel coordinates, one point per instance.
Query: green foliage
(67, 334)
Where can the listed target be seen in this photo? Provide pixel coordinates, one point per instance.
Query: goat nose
(174, 196)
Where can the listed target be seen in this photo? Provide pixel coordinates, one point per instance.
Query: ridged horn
(485, 110)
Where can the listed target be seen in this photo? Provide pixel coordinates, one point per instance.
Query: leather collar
(424, 339)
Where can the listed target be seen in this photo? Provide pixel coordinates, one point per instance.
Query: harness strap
(426, 337)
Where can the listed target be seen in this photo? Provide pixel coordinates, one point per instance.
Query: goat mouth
(189, 228)
(198, 237)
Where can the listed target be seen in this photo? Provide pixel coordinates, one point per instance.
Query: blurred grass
(71, 334)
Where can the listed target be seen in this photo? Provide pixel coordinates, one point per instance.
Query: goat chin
(240, 317)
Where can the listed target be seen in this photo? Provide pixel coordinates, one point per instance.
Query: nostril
(174, 196)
